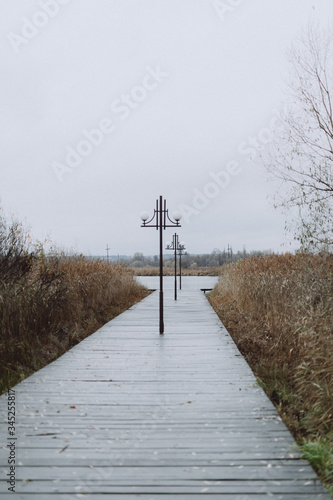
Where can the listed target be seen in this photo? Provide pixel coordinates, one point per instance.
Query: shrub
(50, 303)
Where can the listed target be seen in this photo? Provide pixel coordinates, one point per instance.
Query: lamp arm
(145, 223)
(173, 222)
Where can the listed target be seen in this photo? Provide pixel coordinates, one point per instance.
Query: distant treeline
(215, 258)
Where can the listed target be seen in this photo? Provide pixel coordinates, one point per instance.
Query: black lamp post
(161, 220)
(178, 249)
(173, 246)
(181, 249)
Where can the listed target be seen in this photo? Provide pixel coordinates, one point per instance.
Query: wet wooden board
(132, 414)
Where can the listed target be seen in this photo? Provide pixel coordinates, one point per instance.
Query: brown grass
(279, 311)
(54, 305)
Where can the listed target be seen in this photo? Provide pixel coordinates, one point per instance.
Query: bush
(50, 303)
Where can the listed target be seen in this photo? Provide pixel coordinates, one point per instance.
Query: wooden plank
(133, 414)
(152, 496)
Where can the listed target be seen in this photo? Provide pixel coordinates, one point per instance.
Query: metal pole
(161, 267)
(160, 221)
(175, 238)
(180, 270)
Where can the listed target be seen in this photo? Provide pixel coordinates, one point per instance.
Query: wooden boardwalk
(131, 414)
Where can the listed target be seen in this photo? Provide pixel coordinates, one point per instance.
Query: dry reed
(53, 305)
(279, 311)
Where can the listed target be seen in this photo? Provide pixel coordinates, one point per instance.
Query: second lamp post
(178, 248)
(181, 249)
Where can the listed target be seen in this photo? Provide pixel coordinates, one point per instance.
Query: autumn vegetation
(279, 311)
(300, 155)
(50, 303)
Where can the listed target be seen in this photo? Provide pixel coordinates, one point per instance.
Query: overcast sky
(107, 104)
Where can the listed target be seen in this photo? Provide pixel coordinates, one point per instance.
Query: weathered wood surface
(132, 414)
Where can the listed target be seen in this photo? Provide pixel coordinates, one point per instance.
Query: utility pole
(107, 253)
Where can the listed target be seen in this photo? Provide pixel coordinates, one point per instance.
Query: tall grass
(279, 311)
(50, 303)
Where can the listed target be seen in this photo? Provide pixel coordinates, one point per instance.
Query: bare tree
(301, 154)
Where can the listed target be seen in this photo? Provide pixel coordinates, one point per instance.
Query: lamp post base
(161, 314)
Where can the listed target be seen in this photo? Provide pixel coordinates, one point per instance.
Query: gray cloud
(225, 80)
